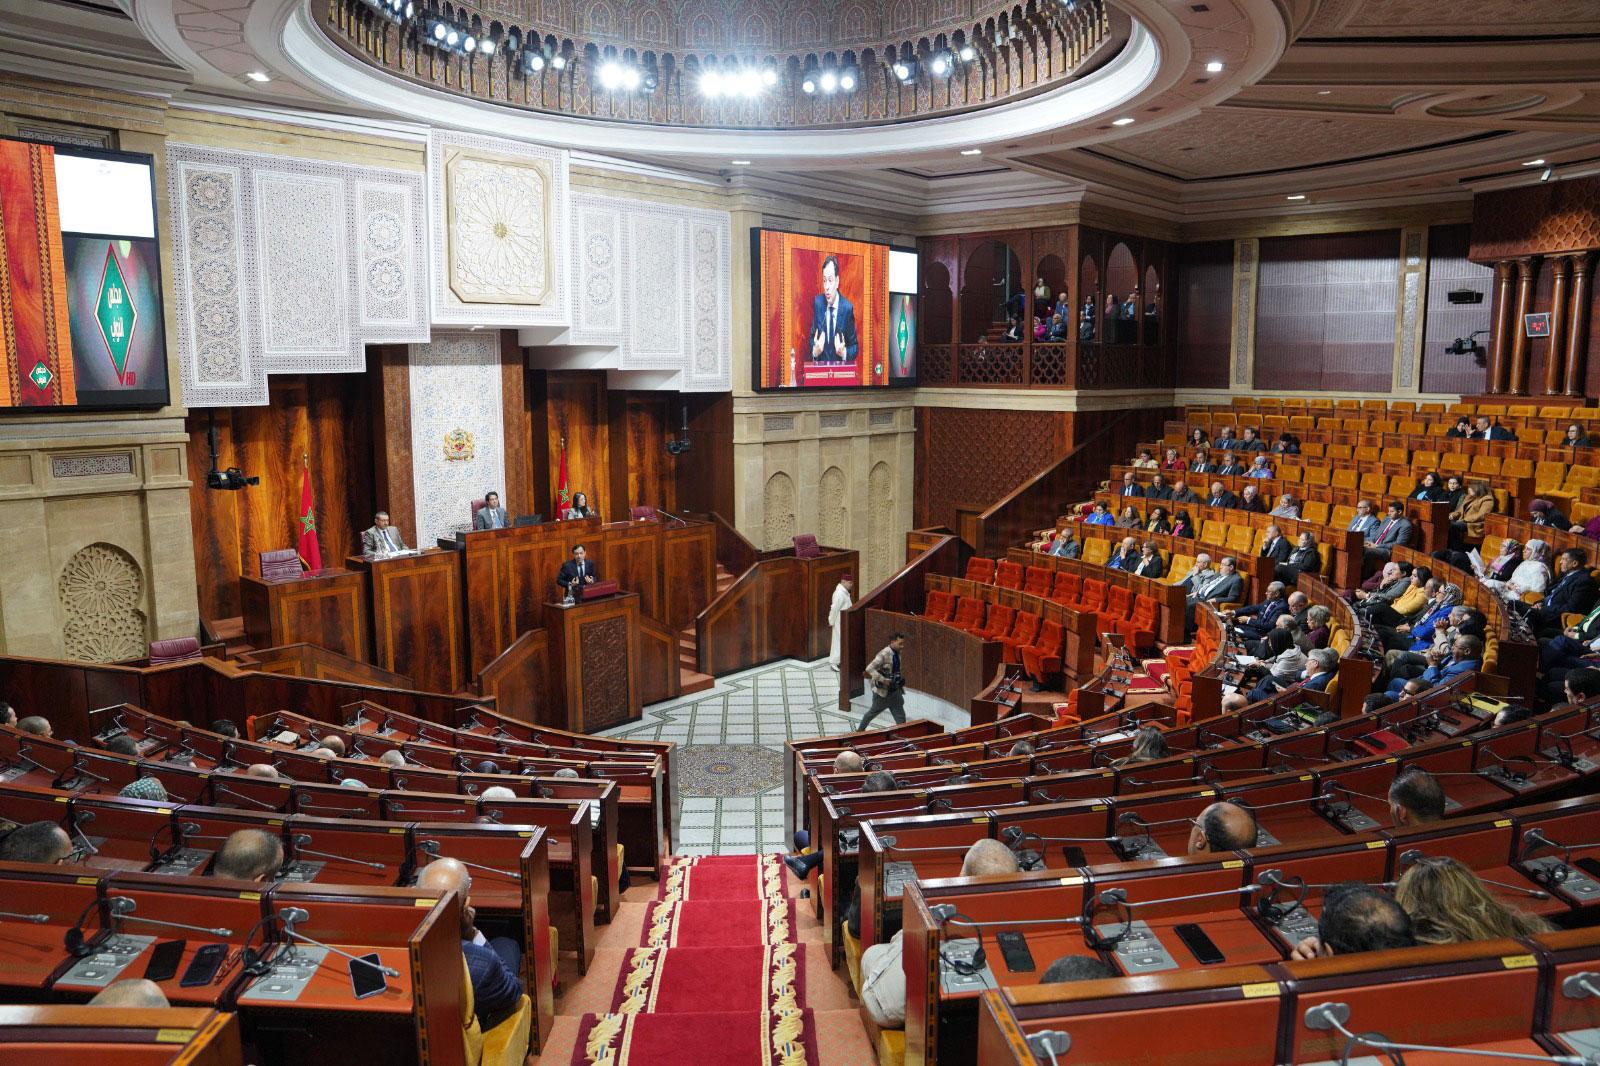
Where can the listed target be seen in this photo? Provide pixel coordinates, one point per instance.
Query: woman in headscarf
(1445, 599)
(1531, 575)
(1288, 507)
(1543, 513)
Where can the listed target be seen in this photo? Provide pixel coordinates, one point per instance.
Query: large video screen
(81, 321)
(832, 313)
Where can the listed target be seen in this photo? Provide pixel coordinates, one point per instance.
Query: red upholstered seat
(1068, 588)
(969, 614)
(1093, 597)
(1037, 582)
(980, 569)
(1042, 658)
(1007, 574)
(635, 514)
(477, 505)
(940, 606)
(1024, 629)
(279, 565)
(1000, 619)
(805, 546)
(174, 651)
(1140, 627)
(1119, 603)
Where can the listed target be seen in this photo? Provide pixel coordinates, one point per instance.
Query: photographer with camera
(888, 684)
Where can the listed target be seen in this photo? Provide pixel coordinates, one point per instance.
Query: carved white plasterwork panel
(656, 283)
(455, 385)
(287, 265)
(710, 355)
(499, 216)
(597, 270)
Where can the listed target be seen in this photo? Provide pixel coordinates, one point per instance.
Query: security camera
(232, 479)
(677, 447)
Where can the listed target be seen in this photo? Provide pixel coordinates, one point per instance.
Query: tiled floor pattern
(764, 706)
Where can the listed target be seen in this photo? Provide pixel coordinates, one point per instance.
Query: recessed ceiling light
(259, 75)
(1297, 196)
(972, 151)
(1122, 122)
(1214, 67)
(1324, 92)
(740, 162)
(1534, 163)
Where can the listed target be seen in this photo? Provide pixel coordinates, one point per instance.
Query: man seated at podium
(576, 571)
(381, 538)
(491, 515)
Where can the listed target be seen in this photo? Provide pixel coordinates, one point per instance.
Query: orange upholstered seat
(1024, 629)
(1038, 581)
(1140, 627)
(1119, 601)
(1068, 588)
(1007, 574)
(969, 614)
(1093, 597)
(980, 569)
(999, 624)
(1042, 658)
(940, 606)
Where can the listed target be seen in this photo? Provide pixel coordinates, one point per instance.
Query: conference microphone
(431, 849)
(85, 818)
(300, 840)
(226, 791)
(1413, 856)
(289, 917)
(1333, 1016)
(31, 919)
(122, 908)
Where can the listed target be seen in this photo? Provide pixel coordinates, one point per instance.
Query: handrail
(735, 553)
(904, 592)
(1036, 502)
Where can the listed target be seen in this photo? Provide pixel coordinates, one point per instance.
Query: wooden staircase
(690, 678)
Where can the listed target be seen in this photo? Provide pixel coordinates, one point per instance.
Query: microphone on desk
(86, 818)
(1326, 1017)
(122, 908)
(1413, 856)
(225, 790)
(300, 840)
(430, 848)
(289, 917)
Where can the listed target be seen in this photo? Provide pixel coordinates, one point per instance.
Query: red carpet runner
(719, 975)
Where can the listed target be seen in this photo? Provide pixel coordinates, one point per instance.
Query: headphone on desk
(77, 944)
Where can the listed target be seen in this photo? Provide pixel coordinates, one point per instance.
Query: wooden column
(1498, 346)
(1577, 325)
(1527, 275)
(1554, 360)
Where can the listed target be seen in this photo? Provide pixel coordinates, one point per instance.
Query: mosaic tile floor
(729, 769)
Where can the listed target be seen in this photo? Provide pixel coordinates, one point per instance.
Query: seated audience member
(492, 965)
(1410, 662)
(1305, 558)
(1418, 633)
(1126, 557)
(131, 993)
(497, 794)
(1415, 798)
(883, 976)
(1149, 564)
(1255, 620)
(1229, 465)
(848, 761)
(145, 788)
(1467, 516)
(1420, 588)
(1021, 747)
(1576, 651)
(1198, 582)
(1575, 437)
(320, 752)
(1531, 575)
(1172, 461)
(1465, 653)
(1574, 592)
(1319, 625)
(1461, 430)
(1201, 463)
(1222, 827)
(1454, 489)
(1198, 438)
(1287, 444)
(565, 771)
(1544, 513)
(1288, 506)
(1070, 968)
(122, 744)
(1500, 568)
(333, 743)
(1250, 500)
(1392, 580)
(42, 843)
(39, 727)
(802, 865)
(580, 509)
(393, 758)
(1355, 918)
(1145, 461)
(8, 714)
(1590, 529)
(1394, 531)
(1320, 666)
(1220, 496)
(1130, 485)
(223, 727)
(1158, 521)
(1274, 545)
(1226, 438)
(1183, 525)
(1484, 428)
(1182, 493)
(1364, 522)
(1251, 441)
(1148, 743)
(248, 855)
(1130, 518)
(1429, 489)
(1066, 545)
(262, 770)
(1157, 489)
(1100, 515)
(1449, 904)
(1259, 467)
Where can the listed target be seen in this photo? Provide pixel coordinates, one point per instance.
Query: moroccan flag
(563, 494)
(310, 549)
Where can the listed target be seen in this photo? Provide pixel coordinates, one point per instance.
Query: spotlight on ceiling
(967, 53)
(769, 76)
(630, 78)
(259, 75)
(469, 44)
(1534, 163)
(1122, 121)
(651, 81)
(941, 64)
(904, 71)
(829, 81)
(1295, 196)
(558, 62)
(1214, 67)
(749, 83)
(711, 84)
(487, 47)
(847, 79)
(533, 62)
(972, 151)
(438, 30)
(808, 84)
(614, 75)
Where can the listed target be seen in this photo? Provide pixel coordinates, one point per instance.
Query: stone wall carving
(500, 220)
(653, 280)
(287, 265)
(833, 517)
(778, 506)
(455, 386)
(101, 594)
(104, 464)
(884, 543)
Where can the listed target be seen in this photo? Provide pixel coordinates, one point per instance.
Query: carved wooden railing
(735, 553)
(1031, 364)
(904, 592)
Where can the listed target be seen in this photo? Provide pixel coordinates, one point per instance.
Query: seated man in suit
(1365, 522)
(1483, 428)
(1149, 564)
(1305, 557)
(1182, 493)
(1274, 545)
(1395, 529)
(492, 965)
(1126, 557)
(1251, 441)
(1221, 497)
(1573, 593)
(1321, 665)
(491, 515)
(1202, 464)
(1466, 653)
(1157, 489)
(1256, 619)
(576, 571)
(1130, 485)
(381, 538)
(1230, 465)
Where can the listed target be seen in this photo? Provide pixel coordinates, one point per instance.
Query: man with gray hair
(393, 758)
(134, 993)
(497, 793)
(848, 761)
(248, 855)
(381, 538)
(492, 965)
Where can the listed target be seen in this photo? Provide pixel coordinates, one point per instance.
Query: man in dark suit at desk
(491, 515)
(576, 571)
(833, 320)
(381, 538)
(492, 965)
(1274, 546)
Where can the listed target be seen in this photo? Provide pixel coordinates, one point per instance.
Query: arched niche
(1121, 305)
(1088, 300)
(1052, 270)
(937, 304)
(992, 290)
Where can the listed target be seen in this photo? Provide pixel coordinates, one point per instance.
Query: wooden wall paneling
(659, 676)
(517, 494)
(631, 557)
(729, 631)
(968, 458)
(510, 576)
(519, 678)
(705, 472)
(823, 575)
(417, 618)
(595, 663)
(577, 401)
(215, 518)
(541, 456)
(329, 612)
(688, 573)
(1539, 347)
(786, 618)
(389, 385)
(642, 471)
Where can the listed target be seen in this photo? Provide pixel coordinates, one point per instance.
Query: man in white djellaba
(841, 603)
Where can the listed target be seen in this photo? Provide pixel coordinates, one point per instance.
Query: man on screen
(833, 320)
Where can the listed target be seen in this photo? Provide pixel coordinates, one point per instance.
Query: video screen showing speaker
(833, 313)
(81, 318)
